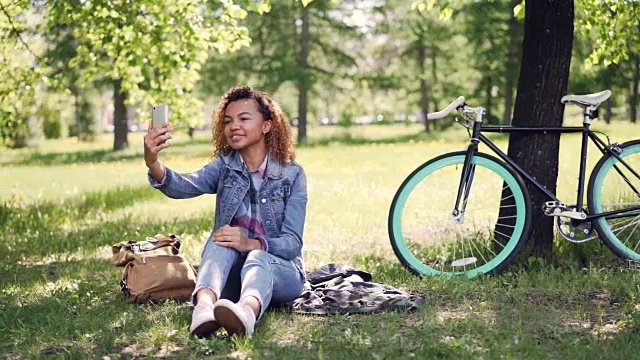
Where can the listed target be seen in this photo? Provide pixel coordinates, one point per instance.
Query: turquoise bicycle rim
(497, 168)
(597, 202)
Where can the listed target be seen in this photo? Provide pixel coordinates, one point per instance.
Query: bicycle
(484, 224)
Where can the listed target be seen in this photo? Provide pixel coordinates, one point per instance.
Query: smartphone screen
(160, 114)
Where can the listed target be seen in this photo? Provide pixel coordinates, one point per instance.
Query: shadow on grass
(79, 312)
(108, 156)
(92, 156)
(76, 312)
(559, 311)
(349, 139)
(50, 228)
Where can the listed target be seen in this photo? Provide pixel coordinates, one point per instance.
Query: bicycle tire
(621, 236)
(452, 163)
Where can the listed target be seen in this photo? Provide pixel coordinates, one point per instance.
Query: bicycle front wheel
(429, 240)
(612, 186)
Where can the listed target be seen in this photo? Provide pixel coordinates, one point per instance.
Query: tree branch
(15, 29)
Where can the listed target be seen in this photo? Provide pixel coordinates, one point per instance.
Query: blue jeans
(233, 275)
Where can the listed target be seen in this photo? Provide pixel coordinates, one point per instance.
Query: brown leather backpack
(154, 270)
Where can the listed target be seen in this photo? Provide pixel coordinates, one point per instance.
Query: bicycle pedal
(571, 214)
(554, 204)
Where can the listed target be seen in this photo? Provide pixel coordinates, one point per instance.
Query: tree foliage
(273, 61)
(155, 48)
(615, 27)
(19, 70)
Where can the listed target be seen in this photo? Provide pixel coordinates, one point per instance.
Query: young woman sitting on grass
(254, 252)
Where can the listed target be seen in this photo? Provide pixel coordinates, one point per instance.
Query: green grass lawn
(63, 206)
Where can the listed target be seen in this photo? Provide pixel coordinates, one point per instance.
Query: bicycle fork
(466, 179)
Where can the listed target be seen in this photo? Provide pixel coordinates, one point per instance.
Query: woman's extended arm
(171, 183)
(184, 186)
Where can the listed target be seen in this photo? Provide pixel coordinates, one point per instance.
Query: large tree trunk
(35, 134)
(609, 74)
(303, 83)
(511, 71)
(488, 102)
(77, 113)
(120, 128)
(544, 74)
(424, 95)
(633, 102)
(434, 79)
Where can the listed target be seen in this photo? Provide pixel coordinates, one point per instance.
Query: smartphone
(160, 115)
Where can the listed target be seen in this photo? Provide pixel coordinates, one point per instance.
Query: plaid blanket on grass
(341, 289)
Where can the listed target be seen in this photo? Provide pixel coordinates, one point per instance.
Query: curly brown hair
(279, 139)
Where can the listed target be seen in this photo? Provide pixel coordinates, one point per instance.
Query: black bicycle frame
(477, 136)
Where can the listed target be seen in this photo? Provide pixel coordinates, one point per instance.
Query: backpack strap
(124, 252)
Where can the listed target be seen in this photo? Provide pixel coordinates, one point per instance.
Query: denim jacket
(282, 204)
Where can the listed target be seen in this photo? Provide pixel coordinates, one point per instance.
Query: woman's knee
(258, 256)
(257, 259)
(213, 251)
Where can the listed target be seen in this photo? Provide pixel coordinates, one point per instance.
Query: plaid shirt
(248, 217)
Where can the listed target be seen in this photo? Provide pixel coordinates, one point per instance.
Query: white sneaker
(236, 319)
(203, 323)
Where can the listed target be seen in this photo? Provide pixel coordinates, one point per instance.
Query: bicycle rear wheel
(428, 240)
(614, 187)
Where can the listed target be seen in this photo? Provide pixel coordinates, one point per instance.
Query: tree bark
(76, 98)
(424, 95)
(609, 73)
(120, 128)
(488, 103)
(35, 133)
(303, 82)
(434, 78)
(544, 75)
(633, 102)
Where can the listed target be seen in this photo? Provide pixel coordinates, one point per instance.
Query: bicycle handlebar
(589, 102)
(446, 111)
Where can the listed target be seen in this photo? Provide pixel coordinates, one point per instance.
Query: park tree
(145, 49)
(495, 34)
(151, 51)
(544, 77)
(588, 78)
(514, 53)
(615, 28)
(21, 74)
(291, 45)
(421, 40)
(543, 80)
(63, 77)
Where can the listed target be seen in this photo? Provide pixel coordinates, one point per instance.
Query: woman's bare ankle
(253, 303)
(206, 296)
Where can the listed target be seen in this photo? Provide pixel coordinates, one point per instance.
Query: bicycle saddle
(587, 100)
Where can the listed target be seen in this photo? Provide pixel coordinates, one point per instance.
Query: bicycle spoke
(618, 230)
(489, 249)
(508, 197)
(479, 252)
(631, 233)
(505, 235)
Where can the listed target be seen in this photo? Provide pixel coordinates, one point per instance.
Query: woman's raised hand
(156, 139)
